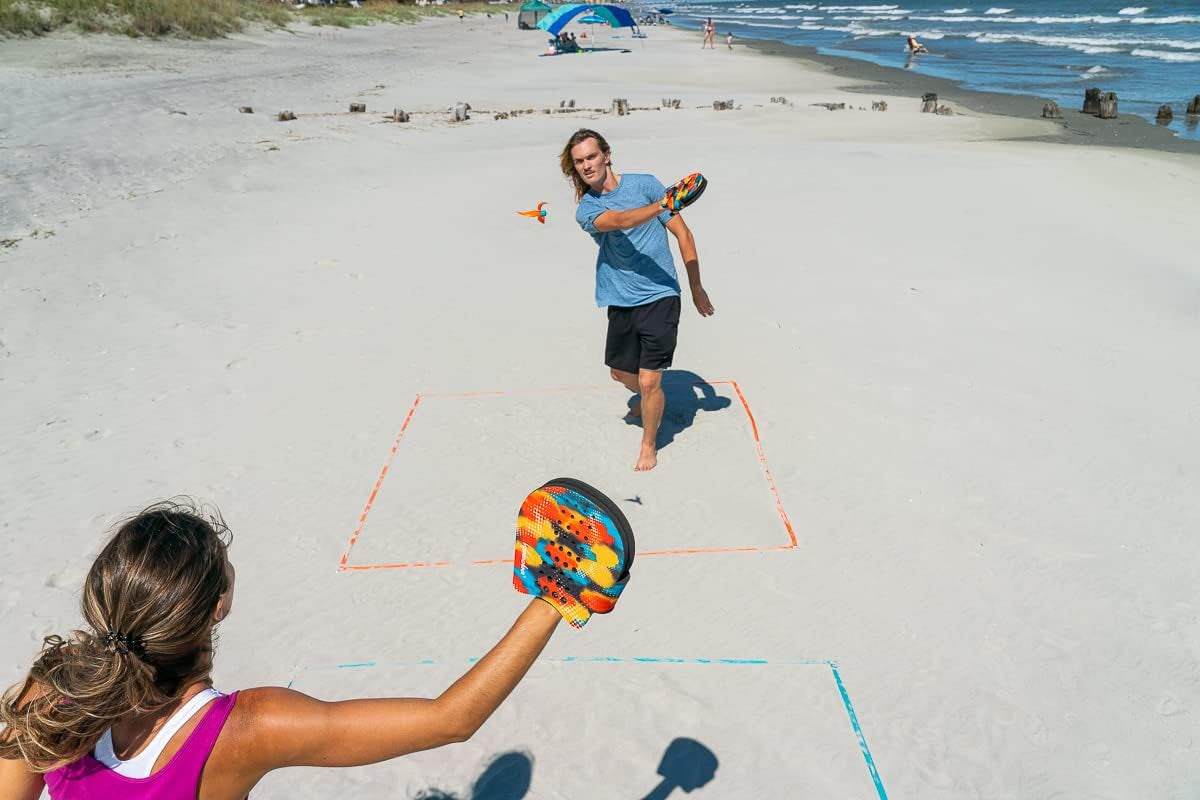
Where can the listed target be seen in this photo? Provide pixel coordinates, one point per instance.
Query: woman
(710, 31)
(127, 709)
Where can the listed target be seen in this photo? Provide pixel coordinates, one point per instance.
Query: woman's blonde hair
(568, 163)
(149, 601)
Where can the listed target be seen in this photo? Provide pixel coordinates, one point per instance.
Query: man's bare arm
(624, 220)
(691, 262)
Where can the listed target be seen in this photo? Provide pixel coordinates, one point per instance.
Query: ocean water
(1147, 54)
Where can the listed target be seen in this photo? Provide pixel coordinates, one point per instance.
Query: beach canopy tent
(531, 13)
(559, 18)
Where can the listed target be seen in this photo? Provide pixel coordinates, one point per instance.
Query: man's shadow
(687, 394)
(686, 765)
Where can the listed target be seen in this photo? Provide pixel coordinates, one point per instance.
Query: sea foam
(1169, 55)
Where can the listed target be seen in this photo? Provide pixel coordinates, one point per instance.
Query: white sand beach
(961, 366)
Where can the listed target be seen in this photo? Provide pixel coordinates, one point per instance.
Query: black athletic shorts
(642, 337)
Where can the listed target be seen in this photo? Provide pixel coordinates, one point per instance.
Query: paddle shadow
(686, 765)
(687, 394)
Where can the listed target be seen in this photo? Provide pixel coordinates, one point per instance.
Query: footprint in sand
(1035, 729)
(1169, 706)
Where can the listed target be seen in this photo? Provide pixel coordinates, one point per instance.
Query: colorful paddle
(684, 193)
(574, 549)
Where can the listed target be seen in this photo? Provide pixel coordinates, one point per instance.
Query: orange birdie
(538, 213)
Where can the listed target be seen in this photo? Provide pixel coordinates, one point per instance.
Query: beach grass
(397, 13)
(204, 19)
(191, 18)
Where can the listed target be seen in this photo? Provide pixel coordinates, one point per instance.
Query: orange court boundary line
(345, 566)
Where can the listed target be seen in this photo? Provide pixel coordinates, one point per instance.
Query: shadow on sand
(687, 394)
(686, 765)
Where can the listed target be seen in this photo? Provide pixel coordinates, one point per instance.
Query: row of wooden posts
(1101, 104)
(1165, 114)
(1104, 106)
(459, 112)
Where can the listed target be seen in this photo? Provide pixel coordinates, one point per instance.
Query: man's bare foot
(635, 410)
(647, 460)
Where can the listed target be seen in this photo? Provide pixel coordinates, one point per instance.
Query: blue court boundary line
(862, 740)
(740, 662)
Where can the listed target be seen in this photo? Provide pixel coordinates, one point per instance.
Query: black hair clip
(124, 644)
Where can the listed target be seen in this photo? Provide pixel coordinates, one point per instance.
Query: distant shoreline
(863, 77)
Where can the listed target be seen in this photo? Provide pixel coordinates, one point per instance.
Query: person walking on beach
(635, 274)
(710, 32)
(126, 709)
(729, 40)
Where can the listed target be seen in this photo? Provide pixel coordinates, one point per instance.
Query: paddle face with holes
(684, 193)
(574, 549)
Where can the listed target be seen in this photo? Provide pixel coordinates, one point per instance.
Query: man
(635, 274)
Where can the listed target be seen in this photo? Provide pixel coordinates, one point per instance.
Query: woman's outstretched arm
(286, 728)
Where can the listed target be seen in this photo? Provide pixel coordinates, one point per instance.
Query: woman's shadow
(687, 394)
(685, 765)
(507, 777)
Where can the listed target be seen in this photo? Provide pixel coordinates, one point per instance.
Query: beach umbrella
(589, 20)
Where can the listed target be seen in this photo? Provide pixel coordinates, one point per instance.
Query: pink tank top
(88, 779)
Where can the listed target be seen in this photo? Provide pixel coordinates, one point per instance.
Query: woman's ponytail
(149, 600)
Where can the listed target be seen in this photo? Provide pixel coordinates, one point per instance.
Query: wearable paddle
(574, 549)
(684, 193)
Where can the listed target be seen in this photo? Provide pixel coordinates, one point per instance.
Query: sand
(969, 361)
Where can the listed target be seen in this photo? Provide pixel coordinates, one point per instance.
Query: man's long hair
(568, 163)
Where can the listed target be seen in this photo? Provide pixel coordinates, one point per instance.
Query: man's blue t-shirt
(634, 267)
